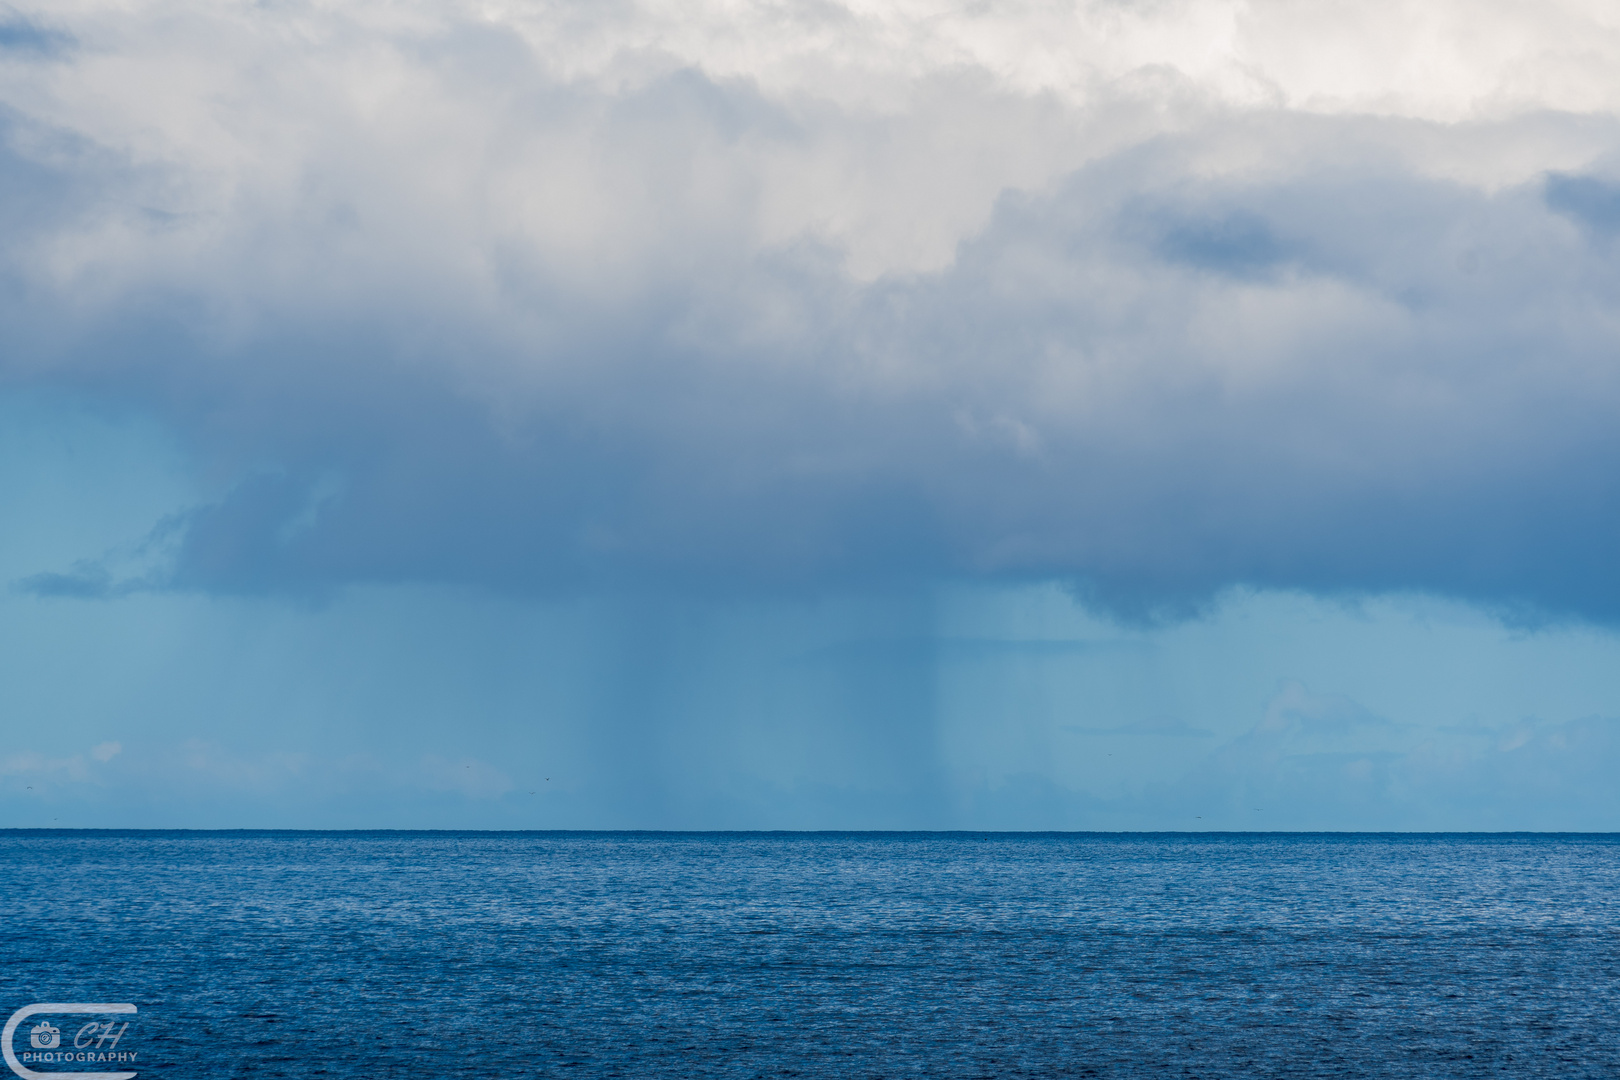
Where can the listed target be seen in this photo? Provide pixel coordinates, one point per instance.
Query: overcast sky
(805, 414)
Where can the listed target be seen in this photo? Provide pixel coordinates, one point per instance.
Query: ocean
(315, 954)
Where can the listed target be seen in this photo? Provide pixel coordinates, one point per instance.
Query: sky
(1177, 414)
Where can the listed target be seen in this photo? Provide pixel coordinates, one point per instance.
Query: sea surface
(822, 955)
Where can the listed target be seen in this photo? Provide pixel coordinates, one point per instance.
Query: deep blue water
(836, 955)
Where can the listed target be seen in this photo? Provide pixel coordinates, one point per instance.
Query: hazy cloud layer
(1155, 298)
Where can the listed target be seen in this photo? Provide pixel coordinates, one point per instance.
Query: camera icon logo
(96, 1041)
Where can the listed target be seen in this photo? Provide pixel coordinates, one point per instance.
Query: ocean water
(823, 955)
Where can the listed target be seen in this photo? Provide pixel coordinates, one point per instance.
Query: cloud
(799, 297)
(122, 570)
(211, 763)
(467, 777)
(1545, 780)
(1168, 727)
(29, 771)
(33, 765)
(1323, 761)
(1296, 713)
(1592, 201)
(88, 580)
(24, 37)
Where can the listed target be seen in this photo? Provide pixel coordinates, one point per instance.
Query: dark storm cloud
(569, 352)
